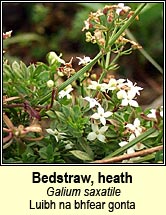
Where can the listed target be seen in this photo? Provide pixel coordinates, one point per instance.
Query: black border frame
(88, 164)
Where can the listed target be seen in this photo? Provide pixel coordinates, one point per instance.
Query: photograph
(82, 83)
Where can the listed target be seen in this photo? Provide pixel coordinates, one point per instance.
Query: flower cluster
(100, 115)
(125, 91)
(115, 14)
(134, 130)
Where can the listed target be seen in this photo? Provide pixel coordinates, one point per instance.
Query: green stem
(132, 143)
(113, 33)
(116, 58)
(127, 24)
(105, 67)
(72, 78)
(107, 59)
(121, 30)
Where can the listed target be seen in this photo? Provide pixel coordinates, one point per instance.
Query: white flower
(66, 92)
(101, 115)
(161, 111)
(152, 114)
(128, 92)
(84, 61)
(135, 128)
(127, 98)
(87, 25)
(50, 83)
(92, 102)
(97, 133)
(133, 89)
(97, 86)
(114, 84)
(129, 150)
(121, 94)
(121, 7)
(53, 57)
(55, 133)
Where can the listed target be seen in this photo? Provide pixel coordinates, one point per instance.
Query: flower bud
(52, 58)
(50, 84)
(88, 36)
(93, 77)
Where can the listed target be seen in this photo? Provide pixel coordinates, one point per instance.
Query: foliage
(55, 114)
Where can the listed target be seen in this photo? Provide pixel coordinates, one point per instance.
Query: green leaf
(43, 153)
(66, 111)
(81, 155)
(43, 76)
(111, 134)
(85, 146)
(24, 70)
(60, 116)
(46, 153)
(22, 89)
(36, 72)
(155, 134)
(7, 72)
(49, 151)
(51, 114)
(28, 156)
(159, 157)
(145, 158)
(17, 70)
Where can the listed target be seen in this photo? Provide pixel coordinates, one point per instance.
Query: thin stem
(107, 59)
(127, 24)
(132, 143)
(129, 156)
(115, 58)
(115, 36)
(12, 105)
(102, 76)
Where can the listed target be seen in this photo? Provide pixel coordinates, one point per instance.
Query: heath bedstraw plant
(61, 115)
